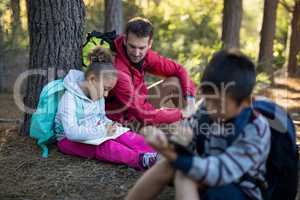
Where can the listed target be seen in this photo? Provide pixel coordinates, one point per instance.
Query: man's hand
(190, 107)
(158, 140)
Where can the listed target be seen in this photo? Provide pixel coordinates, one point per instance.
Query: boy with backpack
(232, 140)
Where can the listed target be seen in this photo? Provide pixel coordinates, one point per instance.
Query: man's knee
(173, 79)
(173, 84)
(169, 89)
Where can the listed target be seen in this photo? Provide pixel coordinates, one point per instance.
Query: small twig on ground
(12, 130)
(25, 162)
(9, 120)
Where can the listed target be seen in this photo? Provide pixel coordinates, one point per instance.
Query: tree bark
(55, 40)
(232, 18)
(2, 70)
(265, 57)
(113, 16)
(294, 52)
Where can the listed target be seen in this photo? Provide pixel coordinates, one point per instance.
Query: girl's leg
(134, 141)
(118, 153)
(152, 182)
(76, 149)
(185, 187)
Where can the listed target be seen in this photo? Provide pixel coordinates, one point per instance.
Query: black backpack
(95, 39)
(282, 163)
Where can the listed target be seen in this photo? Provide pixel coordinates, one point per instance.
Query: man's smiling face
(137, 47)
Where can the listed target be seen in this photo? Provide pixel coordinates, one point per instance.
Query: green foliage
(262, 81)
(130, 10)
(283, 21)
(94, 16)
(186, 31)
(189, 31)
(279, 54)
(3, 6)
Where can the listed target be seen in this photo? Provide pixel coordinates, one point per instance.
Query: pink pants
(123, 150)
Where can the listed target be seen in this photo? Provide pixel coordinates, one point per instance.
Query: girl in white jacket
(84, 130)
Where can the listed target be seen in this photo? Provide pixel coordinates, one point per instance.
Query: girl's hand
(111, 129)
(93, 91)
(116, 124)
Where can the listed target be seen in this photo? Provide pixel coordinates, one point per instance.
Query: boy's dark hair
(232, 70)
(101, 62)
(141, 27)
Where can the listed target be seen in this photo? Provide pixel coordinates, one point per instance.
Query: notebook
(120, 130)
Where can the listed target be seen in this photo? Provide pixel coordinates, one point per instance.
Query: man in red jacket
(130, 100)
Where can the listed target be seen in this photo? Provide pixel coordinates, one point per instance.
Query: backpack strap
(278, 119)
(240, 122)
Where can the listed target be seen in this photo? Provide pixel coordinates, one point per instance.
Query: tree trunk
(265, 58)
(157, 2)
(16, 21)
(2, 70)
(56, 37)
(294, 52)
(232, 18)
(113, 16)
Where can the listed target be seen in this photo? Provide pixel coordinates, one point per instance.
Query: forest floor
(25, 175)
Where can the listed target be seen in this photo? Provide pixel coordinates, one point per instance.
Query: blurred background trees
(113, 15)
(267, 34)
(188, 31)
(232, 19)
(1, 54)
(294, 54)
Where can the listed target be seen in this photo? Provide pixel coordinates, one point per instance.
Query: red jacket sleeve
(159, 65)
(139, 106)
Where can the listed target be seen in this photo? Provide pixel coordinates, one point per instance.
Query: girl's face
(100, 87)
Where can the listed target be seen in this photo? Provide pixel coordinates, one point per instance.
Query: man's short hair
(139, 26)
(230, 67)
